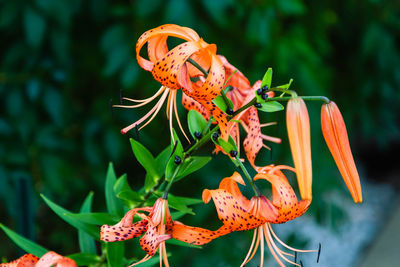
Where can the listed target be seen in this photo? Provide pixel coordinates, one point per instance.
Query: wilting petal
(298, 127)
(28, 260)
(335, 134)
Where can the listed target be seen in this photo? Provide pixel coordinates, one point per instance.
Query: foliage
(62, 61)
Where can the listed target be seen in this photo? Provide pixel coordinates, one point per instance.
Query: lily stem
(247, 175)
(290, 92)
(165, 196)
(197, 65)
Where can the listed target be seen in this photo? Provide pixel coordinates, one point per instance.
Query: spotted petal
(27, 260)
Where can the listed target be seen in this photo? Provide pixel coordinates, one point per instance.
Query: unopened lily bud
(335, 134)
(298, 127)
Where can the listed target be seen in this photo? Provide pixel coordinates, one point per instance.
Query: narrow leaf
(267, 79)
(115, 253)
(191, 165)
(24, 243)
(96, 218)
(145, 158)
(114, 205)
(86, 242)
(62, 213)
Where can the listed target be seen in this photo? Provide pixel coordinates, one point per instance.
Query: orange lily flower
(335, 134)
(238, 213)
(156, 227)
(47, 260)
(298, 128)
(170, 68)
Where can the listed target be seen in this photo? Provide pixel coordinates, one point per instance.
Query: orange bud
(298, 127)
(335, 134)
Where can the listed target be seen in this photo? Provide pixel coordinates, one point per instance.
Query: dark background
(62, 63)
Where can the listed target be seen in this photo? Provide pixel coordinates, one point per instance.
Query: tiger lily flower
(156, 227)
(47, 260)
(335, 134)
(238, 213)
(171, 69)
(298, 128)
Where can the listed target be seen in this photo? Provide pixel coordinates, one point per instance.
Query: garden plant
(222, 108)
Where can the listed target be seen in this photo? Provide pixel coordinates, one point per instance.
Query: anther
(301, 264)
(197, 134)
(121, 101)
(173, 150)
(257, 105)
(295, 256)
(215, 136)
(233, 153)
(177, 160)
(229, 111)
(319, 252)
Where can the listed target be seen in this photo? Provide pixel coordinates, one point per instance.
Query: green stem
(200, 68)
(247, 175)
(249, 104)
(307, 98)
(165, 196)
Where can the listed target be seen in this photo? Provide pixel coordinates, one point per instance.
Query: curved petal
(157, 47)
(284, 198)
(170, 70)
(164, 30)
(189, 103)
(237, 80)
(192, 235)
(112, 233)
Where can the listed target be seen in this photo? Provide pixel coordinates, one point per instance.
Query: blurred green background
(63, 62)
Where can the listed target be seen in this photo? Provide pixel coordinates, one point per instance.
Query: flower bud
(298, 127)
(335, 134)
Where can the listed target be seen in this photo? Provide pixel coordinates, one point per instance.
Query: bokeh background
(63, 63)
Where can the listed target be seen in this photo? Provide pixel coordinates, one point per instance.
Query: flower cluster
(49, 259)
(194, 67)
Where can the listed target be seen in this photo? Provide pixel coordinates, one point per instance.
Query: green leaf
(115, 253)
(96, 218)
(222, 103)
(196, 122)
(161, 163)
(35, 27)
(130, 197)
(145, 158)
(24, 243)
(121, 184)
(62, 213)
(181, 203)
(85, 259)
(114, 205)
(86, 242)
(191, 165)
(226, 146)
(267, 79)
(271, 106)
